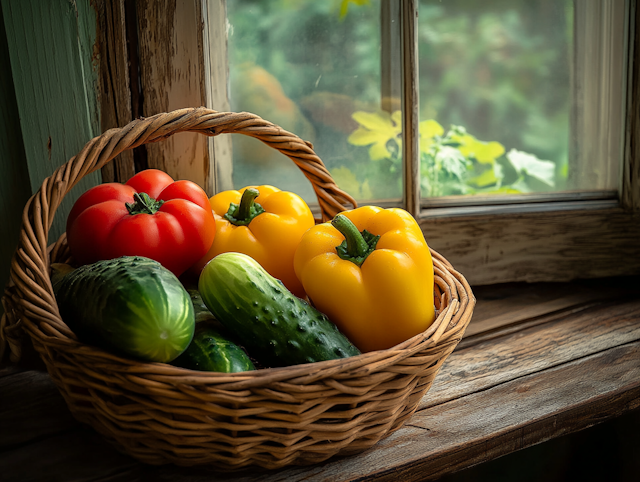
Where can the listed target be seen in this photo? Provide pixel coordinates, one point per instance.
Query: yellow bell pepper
(262, 222)
(371, 272)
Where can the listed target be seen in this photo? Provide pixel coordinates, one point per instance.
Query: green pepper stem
(242, 214)
(356, 245)
(246, 202)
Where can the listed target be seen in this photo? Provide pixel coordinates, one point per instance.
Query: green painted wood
(14, 176)
(54, 71)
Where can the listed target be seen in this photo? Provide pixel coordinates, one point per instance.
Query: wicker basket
(160, 414)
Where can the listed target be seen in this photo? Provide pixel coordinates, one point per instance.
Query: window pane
(313, 67)
(495, 95)
(498, 98)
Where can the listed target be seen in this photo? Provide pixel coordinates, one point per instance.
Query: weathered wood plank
(510, 417)
(50, 48)
(77, 455)
(31, 408)
(169, 35)
(9, 370)
(14, 181)
(539, 246)
(534, 349)
(511, 304)
(216, 74)
(114, 83)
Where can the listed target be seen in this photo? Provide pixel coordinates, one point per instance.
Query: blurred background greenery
(495, 94)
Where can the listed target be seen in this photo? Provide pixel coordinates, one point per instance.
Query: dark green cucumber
(130, 305)
(275, 327)
(211, 351)
(200, 310)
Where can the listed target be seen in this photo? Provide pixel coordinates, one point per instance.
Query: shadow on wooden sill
(605, 452)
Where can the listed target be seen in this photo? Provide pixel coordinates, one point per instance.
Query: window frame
(547, 238)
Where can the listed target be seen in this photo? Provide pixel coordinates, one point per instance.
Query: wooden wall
(48, 103)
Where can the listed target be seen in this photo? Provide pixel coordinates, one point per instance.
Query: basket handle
(30, 263)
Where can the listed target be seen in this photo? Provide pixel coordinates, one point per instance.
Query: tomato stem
(357, 246)
(242, 214)
(143, 204)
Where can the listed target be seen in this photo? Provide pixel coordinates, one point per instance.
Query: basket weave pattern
(158, 413)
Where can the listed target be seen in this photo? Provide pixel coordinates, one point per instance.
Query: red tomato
(150, 215)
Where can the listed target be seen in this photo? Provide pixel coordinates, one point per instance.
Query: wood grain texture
(170, 44)
(513, 416)
(76, 455)
(515, 304)
(549, 246)
(114, 83)
(216, 68)
(26, 416)
(15, 188)
(410, 107)
(535, 349)
(50, 47)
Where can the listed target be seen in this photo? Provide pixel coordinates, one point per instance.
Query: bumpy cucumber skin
(275, 327)
(213, 352)
(129, 305)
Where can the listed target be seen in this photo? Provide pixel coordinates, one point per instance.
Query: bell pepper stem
(357, 245)
(243, 213)
(247, 200)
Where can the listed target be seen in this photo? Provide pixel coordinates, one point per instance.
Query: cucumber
(275, 327)
(200, 310)
(213, 352)
(130, 305)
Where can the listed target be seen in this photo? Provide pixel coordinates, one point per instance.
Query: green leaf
(487, 178)
(452, 161)
(430, 128)
(483, 152)
(529, 164)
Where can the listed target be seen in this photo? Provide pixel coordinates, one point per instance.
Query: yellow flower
(376, 130)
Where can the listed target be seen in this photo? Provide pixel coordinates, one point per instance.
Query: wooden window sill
(538, 361)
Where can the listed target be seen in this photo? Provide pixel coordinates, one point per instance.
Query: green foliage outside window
(500, 68)
(452, 162)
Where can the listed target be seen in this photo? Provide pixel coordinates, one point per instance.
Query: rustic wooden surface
(539, 246)
(539, 361)
(54, 72)
(172, 77)
(14, 181)
(114, 83)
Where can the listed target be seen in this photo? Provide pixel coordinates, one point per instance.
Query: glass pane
(313, 67)
(495, 96)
